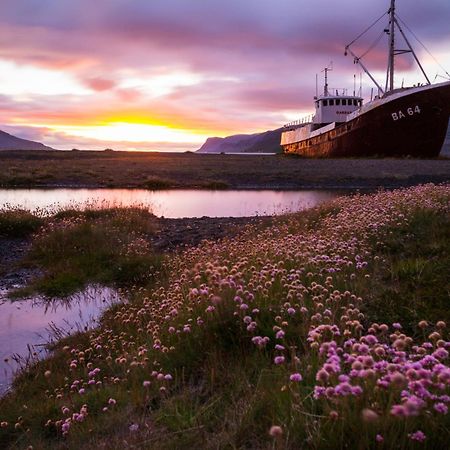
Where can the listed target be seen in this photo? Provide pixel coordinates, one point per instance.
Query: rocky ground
(12, 274)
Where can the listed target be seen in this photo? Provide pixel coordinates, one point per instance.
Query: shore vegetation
(327, 330)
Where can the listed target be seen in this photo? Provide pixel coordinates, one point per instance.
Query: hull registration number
(413, 110)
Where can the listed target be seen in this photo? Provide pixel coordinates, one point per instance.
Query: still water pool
(27, 325)
(173, 203)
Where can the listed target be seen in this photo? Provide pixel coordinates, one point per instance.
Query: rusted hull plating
(413, 125)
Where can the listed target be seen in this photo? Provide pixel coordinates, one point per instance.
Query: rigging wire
(374, 44)
(366, 30)
(423, 45)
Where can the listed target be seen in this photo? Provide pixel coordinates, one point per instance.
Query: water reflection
(26, 325)
(173, 203)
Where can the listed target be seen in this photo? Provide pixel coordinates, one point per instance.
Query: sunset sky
(166, 74)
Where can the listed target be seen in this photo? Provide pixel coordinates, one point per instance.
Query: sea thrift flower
(369, 415)
(279, 360)
(275, 431)
(418, 436)
(295, 377)
(333, 415)
(441, 408)
(280, 334)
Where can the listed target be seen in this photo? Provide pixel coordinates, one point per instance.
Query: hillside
(267, 142)
(10, 142)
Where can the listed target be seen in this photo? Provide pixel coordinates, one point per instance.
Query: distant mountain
(267, 142)
(10, 142)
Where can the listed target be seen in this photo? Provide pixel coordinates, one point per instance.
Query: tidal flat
(322, 329)
(211, 171)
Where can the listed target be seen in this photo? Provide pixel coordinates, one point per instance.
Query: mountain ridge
(265, 142)
(10, 142)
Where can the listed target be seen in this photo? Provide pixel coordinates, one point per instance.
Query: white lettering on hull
(411, 111)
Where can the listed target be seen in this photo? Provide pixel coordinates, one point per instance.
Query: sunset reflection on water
(173, 203)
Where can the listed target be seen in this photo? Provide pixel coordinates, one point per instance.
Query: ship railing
(332, 92)
(300, 122)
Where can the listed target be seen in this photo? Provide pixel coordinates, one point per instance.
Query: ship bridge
(334, 108)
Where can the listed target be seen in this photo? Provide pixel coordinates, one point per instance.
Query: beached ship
(407, 121)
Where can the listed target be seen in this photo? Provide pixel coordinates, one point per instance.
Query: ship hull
(411, 124)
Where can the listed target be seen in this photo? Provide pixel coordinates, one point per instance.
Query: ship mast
(393, 52)
(390, 72)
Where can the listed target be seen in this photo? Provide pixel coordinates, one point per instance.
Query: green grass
(410, 281)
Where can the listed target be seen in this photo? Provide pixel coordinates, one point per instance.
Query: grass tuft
(18, 223)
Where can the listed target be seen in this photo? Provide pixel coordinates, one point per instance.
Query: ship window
(325, 103)
(344, 102)
(331, 102)
(338, 102)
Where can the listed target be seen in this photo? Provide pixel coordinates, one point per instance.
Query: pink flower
(296, 377)
(280, 334)
(275, 431)
(441, 408)
(279, 360)
(418, 436)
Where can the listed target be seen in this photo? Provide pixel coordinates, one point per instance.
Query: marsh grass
(18, 223)
(93, 245)
(157, 183)
(224, 391)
